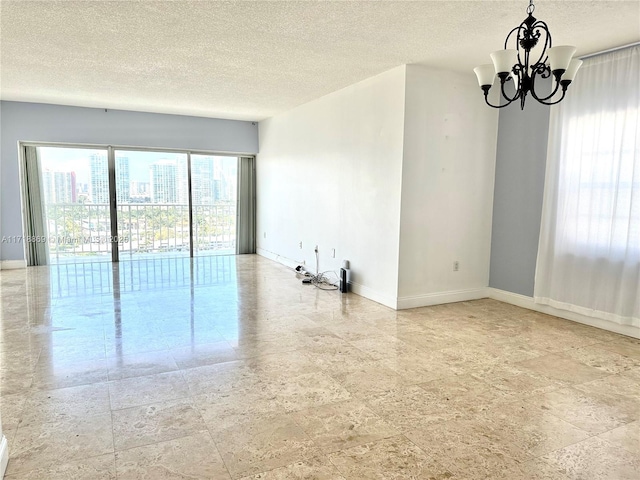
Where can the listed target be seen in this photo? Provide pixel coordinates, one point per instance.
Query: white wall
(37, 122)
(329, 173)
(447, 188)
(397, 174)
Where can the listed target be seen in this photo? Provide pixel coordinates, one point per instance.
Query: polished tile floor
(230, 368)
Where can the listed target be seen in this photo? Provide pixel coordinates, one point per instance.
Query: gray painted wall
(37, 122)
(517, 200)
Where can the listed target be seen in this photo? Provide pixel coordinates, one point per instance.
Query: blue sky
(77, 160)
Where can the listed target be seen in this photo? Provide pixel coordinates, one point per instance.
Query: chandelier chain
(531, 7)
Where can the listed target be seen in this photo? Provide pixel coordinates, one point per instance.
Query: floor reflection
(88, 279)
(115, 371)
(130, 314)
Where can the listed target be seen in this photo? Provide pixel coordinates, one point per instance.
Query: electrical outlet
(333, 253)
(316, 250)
(264, 235)
(456, 265)
(300, 245)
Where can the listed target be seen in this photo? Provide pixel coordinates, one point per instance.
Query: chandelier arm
(544, 99)
(564, 92)
(547, 40)
(486, 99)
(516, 29)
(516, 95)
(522, 55)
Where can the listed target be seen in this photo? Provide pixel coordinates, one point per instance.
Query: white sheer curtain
(589, 252)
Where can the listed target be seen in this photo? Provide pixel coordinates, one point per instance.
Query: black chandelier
(516, 64)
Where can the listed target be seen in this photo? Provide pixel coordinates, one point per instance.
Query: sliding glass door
(75, 192)
(123, 204)
(152, 203)
(214, 186)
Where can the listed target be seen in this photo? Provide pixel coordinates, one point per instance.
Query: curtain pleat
(35, 231)
(246, 215)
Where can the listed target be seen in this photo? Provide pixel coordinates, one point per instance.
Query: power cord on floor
(320, 280)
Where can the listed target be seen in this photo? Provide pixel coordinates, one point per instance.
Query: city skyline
(159, 177)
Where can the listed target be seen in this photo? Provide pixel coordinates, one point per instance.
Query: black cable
(320, 279)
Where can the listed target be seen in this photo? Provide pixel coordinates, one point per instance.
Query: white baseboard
(287, 262)
(4, 455)
(439, 298)
(527, 302)
(371, 294)
(12, 264)
(512, 298)
(353, 287)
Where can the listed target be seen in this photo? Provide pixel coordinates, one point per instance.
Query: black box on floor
(344, 286)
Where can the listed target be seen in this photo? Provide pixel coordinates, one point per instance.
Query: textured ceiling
(254, 59)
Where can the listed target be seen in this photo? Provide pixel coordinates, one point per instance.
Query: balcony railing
(84, 230)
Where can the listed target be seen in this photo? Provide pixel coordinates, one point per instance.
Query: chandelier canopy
(518, 64)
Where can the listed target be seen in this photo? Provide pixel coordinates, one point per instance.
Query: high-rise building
(139, 192)
(123, 192)
(59, 187)
(202, 181)
(227, 175)
(99, 178)
(139, 188)
(182, 185)
(48, 186)
(163, 182)
(217, 190)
